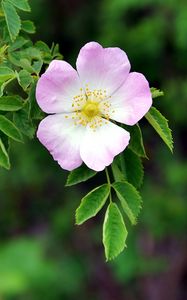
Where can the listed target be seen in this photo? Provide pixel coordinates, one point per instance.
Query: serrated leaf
(80, 174)
(136, 140)
(23, 122)
(4, 158)
(134, 168)
(114, 232)
(130, 199)
(21, 4)
(92, 203)
(160, 124)
(12, 19)
(10, 103)
(117, 173)
(28, 26)
(25, 79)
(156, 92)
(9, 129)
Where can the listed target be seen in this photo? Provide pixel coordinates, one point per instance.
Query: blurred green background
(43, 255)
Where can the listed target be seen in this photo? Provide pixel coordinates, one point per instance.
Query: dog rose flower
(84, 104)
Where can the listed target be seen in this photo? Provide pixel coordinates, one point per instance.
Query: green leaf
(6, 74)
(9, 129)
(156, 92)
(114, 232)
(21, 4)
(42, 47)
(29, 59)
(25, 79)
(34, 110)
(45, 51)
(10, 103)
(134, 168)
(12, 19)
(117, 173)
(18, 43)
(23, 122)
(80, 174)
(37, 65)
(136, 140)
(130, 199)
(4, 158)
(160, 124)
(28, 26)
(26, 64)
(3, 85)
(92, 203)
(55, 52)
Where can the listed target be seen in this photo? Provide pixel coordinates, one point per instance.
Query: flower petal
(57, 86)
(102, 68)
(62, 138)
(132, 100)
(99, 147)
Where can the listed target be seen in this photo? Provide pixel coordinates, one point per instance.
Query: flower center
(91, 109)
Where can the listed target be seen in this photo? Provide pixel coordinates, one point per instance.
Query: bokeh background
(43, 255)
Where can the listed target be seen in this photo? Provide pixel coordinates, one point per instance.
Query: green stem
(109, 184)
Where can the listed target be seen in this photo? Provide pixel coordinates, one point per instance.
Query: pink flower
(83, 102)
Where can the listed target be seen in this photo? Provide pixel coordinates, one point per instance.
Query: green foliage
(4, 158)
(25, 79)
(12, 19)
(6, 76)
(28, 26)
(136, 140)
(128, 167)
(80, 174)
(92, 203)
(9, 129)
(10, 103)
(117, 173)
(24, 123)
(156, 93)
(114, 232)
(133, 168)
(20, 61)
(160, 124)
(21, 4)
(130, 199)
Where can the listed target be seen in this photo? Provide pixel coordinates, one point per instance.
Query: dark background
(43, 255)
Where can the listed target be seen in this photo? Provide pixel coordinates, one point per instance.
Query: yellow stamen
(91, 109)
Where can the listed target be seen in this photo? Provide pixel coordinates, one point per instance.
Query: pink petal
(132, 100)
(102, 68)
(62, 138)
(99, 147)
(57, 86)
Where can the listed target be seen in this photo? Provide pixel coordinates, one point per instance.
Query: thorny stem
(109, 184)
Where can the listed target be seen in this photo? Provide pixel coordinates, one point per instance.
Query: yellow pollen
(91, 109)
